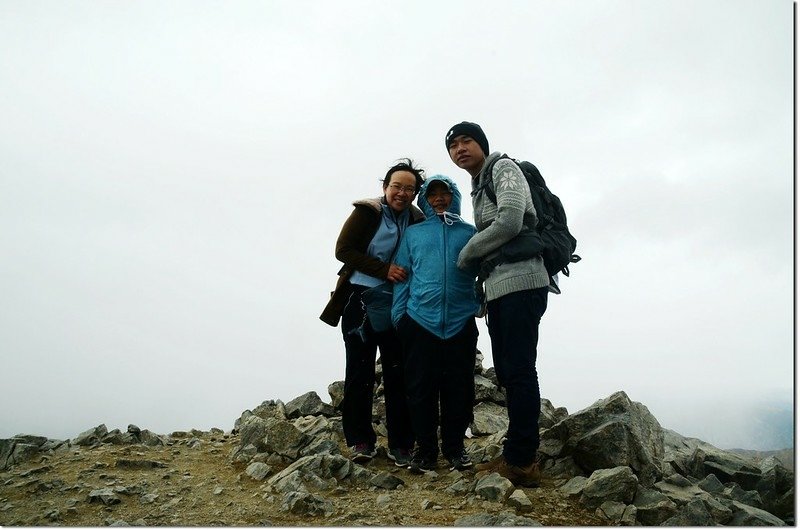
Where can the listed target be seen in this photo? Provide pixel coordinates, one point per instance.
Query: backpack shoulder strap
(488, 185)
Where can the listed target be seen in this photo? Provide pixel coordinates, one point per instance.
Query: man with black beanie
(516, 294)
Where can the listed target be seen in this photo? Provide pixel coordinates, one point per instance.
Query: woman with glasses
(366, 245)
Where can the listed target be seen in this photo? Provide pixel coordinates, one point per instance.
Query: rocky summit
(286, 464)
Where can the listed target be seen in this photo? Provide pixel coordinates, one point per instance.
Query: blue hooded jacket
(438, 295)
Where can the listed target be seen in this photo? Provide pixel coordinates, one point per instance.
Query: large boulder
(267, 409)
(727, 466)
(612, 432)
(273, 436)
(308, 404)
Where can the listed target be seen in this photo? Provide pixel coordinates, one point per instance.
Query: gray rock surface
(616, 484)
(612, 432)
(308, 404)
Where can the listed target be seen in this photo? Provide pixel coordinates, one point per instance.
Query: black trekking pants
(359, 380)
(513, 322)
(439, 372)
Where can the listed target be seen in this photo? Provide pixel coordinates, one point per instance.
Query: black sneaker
(401, 457)
(461, 461)
(362, 452)
(421, 463)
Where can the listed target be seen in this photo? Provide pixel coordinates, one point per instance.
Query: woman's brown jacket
(351, 249)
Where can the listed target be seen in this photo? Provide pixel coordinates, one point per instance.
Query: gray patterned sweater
(499, 223)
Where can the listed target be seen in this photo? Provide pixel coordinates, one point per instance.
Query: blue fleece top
(383, 243)
(438, 295)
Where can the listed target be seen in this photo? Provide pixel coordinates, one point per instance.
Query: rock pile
(613, 458)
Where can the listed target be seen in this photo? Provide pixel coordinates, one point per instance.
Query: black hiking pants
(513, 322)
(439, 373)
(359, 380)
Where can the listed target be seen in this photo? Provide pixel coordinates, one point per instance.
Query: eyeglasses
(408, 189)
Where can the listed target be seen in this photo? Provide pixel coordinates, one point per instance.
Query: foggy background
(174, 175)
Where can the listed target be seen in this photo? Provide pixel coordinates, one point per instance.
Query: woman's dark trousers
(359, 380)
(513, 322)
(440, 371)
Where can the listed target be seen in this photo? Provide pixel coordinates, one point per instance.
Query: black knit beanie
(467, 128)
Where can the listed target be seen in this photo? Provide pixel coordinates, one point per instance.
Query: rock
(150, 439)
(139, 464)
(308, 404)
(273, 436)
(501, 519)
(736, 493)
(727, 466)
(611, 511)
(336, 392)
(719, 512)
(774, 483)
(258, 470)
(494, 487)
(133, 429)
(489, 418)
(711, 484)
(678, 495)
(383, 500)
(460, 487)
(485, 390)
(745, 515)
(562, 468)
(574, 487)
(693, 513)
(105, 496)
(610, 433)
(616, 484)
(520, 501)
(386, 481)
(148, 498)
(268, 409)
(653, 507)
(678, 480)
(629, 516)
(300, 503)
(549, 415)
(91, 436)
(318, 472)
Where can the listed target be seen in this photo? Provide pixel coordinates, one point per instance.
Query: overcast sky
(173, 177)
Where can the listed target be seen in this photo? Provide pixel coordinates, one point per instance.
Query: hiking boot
(362, 452)
(420, 463)
(401, 457)
(491, 465)
(460, 461)
(527, 477)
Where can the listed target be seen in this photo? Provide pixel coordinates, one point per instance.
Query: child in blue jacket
(434, 311)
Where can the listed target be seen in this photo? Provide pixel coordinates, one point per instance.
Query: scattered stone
(148, 498)
(301, 503)
(520, 501)
(105, 496)
(386, 481)
(494, 487)
(383, 500)
(139, 464)
(501, 519)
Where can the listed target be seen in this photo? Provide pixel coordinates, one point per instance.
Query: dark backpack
(550, 239)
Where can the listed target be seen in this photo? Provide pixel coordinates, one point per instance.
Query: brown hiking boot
(491, 465)
(527, 477)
